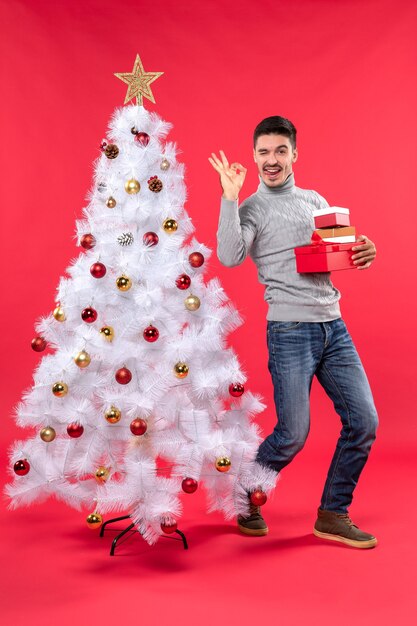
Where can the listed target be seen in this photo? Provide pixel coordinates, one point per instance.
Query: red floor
(57, 571)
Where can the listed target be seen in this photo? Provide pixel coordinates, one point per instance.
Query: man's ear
(254, 155)
(295, 155)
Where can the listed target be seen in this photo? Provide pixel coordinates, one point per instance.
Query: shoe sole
(371, 543)
(253, 532)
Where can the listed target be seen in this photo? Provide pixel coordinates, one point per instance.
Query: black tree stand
(130, 528)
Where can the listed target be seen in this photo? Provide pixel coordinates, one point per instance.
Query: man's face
(274, 157)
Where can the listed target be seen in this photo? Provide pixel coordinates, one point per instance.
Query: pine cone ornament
(111, 151)
(125, 239)
(155, 184)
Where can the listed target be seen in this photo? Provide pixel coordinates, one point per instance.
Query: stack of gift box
(331, 243)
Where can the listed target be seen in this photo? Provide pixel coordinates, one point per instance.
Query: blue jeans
(297, 352)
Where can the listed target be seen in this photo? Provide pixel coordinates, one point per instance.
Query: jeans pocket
(282, 327)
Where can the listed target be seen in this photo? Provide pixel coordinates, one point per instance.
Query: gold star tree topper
(139, 82)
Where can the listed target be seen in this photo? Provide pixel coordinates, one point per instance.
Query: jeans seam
(285, 329)
(342, 449)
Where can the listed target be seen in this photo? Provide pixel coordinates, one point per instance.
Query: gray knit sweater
(269, 225)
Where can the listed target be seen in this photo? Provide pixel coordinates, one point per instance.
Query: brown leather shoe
(255, 524)
(339, 527)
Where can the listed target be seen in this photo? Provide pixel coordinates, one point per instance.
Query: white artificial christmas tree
(141, 399)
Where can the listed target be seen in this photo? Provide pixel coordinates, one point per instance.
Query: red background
(344, 72)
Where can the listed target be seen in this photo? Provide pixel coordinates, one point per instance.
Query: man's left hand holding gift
(366, 253)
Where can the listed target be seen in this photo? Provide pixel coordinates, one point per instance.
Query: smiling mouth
(273, 171)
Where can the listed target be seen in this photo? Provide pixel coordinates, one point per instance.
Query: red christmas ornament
(150, 239)
(123, 376)
(142, 138)
(236, 389)
(103, 145)
(98, 270)
(258, 497)
(189, 485)
(21, 467)
(169, 528)
(196, 259)
(89, 315)
(38, 344)
(183, 281)
(151, 333)
(75, 430)
(88, 241)
(138, 426)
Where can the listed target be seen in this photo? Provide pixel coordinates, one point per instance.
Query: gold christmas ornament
(101, 474)
(223, 464)
(94, 520)
(192, 303)
(165, 165)
(181, 370)
(59, 314)
(82, 359)
(132, 186)
(47, 434)
(59, 389)
(170, 225)
(139, 82)
(113, 415)
(111, 202)
(123, 283)
(107, 332)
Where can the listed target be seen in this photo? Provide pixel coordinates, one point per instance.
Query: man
(306, 334)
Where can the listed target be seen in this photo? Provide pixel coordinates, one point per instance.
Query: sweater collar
(287, 187)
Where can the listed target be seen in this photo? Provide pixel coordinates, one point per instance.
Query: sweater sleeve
(235, 234)
(320, 201)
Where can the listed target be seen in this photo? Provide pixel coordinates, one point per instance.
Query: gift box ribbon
(319, 246)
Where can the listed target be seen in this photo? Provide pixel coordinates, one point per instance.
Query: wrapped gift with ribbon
(321, 256)
(340, 234)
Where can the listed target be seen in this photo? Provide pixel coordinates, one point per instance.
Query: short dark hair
(276, 125)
